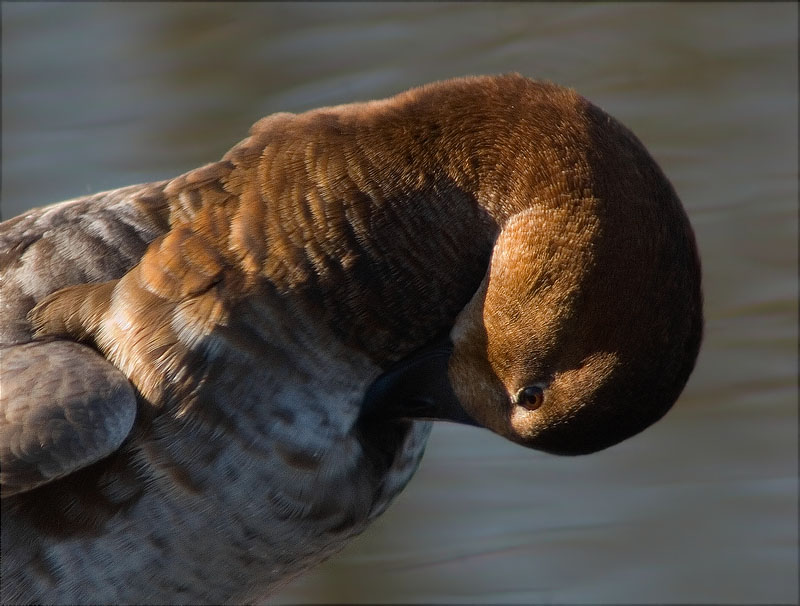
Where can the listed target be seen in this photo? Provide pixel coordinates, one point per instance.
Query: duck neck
(384, 271)
(385, 247)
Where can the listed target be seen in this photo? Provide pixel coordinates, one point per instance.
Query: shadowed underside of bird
(210, 383)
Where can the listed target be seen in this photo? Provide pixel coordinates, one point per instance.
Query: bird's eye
(530, 397)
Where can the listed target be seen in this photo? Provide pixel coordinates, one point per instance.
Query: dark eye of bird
(530, 397)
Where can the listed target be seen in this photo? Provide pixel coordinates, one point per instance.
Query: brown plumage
(209, 383)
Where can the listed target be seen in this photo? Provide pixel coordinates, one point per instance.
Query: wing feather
(62, 407)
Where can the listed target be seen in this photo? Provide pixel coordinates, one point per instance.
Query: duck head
(568, 354)
(588, 321)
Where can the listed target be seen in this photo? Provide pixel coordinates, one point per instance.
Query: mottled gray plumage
(171, 532)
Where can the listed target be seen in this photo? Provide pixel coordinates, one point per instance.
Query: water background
(700, 508)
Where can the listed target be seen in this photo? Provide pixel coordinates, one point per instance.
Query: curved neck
(380, 215)
(386, 268)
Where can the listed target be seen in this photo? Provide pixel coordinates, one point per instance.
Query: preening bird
(209, 384)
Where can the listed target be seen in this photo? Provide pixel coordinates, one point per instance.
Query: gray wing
(62, 407)
(92, 239)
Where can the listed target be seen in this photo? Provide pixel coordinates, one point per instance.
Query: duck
(211, 383)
